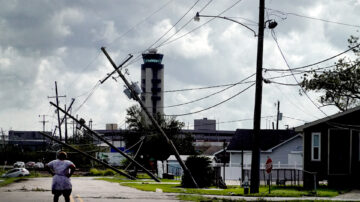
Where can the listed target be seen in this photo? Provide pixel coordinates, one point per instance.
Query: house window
(315, 147)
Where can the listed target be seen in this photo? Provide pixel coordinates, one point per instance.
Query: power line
(204, 88)
(316, 63)
(185, 114)
(313, 18)
(232, 121)
(142, 21)
(88, 97)
(125, 33)
(198, 27)
(220, 91)
(301, 71)
(273, 34)
(182, 27)
(280, 83)
(138, 57)
(173, 25)
(300, 108)
(294, 119)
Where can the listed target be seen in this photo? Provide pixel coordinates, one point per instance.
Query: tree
(340, 85)
(154, 144)
(200, 167)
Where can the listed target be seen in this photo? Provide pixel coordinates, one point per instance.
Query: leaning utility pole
(106, 141)
(152, 119)
(255, 159)
(57, 103)
(88, 156)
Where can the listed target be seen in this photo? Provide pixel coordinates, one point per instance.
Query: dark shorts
(66, 192)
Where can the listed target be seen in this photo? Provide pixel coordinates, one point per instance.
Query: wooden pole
(152, 119)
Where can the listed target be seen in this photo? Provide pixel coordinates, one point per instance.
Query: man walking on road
(61, 170)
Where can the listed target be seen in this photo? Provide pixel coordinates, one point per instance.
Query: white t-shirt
(61, 169)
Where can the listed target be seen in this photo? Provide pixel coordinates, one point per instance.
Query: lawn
(215, 199)
(174, 187)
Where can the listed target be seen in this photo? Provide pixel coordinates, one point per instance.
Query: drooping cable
(273, 34)
(313, 18)
(210, 95)
(185, 114)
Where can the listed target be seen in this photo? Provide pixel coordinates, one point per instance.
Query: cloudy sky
(45, 41)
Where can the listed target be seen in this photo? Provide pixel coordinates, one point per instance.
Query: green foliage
(341, 85)
(109, 172)
(96, 172)
(154, 144)
(201, 170)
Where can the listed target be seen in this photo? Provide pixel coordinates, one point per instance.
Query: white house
(284, 147)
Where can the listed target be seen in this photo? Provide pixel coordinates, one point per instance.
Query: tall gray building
(152, 81)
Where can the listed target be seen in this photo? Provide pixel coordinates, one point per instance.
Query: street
(85, 189)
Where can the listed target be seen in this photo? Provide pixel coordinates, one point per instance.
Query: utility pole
(152, 119)
(255, 157)
(278, 115)
(65, 119)
(90, 124)
(224, 159)
(57, 103)
(66, 130)
(3, 139)
(43, 121)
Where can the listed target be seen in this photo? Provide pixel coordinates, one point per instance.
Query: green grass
(279, 191)
(203, 199)
(215, 199)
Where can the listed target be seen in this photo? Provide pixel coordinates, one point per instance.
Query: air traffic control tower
(152, 82)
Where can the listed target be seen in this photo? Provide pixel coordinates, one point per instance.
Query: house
(331, 149)
(284, 147)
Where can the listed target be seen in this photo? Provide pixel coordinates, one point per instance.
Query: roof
(184, 157)
(212, 150)
(328, 118)
(209, 132)
(242, 140)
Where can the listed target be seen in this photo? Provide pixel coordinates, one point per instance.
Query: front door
(339, 152)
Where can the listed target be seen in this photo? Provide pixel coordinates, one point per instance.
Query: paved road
(85, 189)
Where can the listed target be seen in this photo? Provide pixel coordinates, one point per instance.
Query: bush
(94, 172)
(109, 172)
(201, 170)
